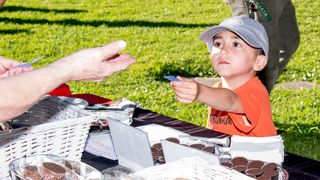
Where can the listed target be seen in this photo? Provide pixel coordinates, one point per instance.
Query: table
(298, 167)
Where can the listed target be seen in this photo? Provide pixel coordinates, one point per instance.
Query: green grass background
(164, 37)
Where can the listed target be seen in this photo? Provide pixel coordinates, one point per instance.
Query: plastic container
(51, 167)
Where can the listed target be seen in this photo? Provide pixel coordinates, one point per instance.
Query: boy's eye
(216, 44)
(236, 44)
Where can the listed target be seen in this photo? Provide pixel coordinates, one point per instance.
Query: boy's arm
(188, 91)
(221, 99)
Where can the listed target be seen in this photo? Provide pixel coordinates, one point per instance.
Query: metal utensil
(29, 63)
(221, 141)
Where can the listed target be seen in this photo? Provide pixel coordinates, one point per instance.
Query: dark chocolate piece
(156, 152)
(255, 164)
(209, 149)
(53, 171)
(157, 145)
(197, 146)
(254, 171)
(240, 168)
(269, 167)
(239, 161)
(273, 174)
(173, 139)
(31, 172)
(227, 164)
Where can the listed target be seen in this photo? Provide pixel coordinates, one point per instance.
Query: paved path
(288, 85)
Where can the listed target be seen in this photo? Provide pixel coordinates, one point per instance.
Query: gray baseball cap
(251, 31)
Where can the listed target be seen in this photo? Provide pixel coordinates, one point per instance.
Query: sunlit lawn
(164, 37)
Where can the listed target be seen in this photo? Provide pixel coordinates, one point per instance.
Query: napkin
(157, 132)
(268, 149)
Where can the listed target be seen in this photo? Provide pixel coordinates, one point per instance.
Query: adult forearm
(220, 98)
(20, 92)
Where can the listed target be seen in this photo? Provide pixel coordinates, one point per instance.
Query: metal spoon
(30, 63)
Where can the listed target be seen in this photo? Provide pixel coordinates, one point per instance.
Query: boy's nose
(223, 52)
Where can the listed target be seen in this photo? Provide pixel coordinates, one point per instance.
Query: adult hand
(95, 64)
(8, 67)
(186, 90)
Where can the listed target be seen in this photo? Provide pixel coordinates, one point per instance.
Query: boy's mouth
(222, 61)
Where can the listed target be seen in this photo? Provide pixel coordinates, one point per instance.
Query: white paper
(100, 144)
(173, 152)
(157, 132)
(268, 149)
(131, 145)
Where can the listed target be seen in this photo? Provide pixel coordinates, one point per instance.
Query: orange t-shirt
(257, 119)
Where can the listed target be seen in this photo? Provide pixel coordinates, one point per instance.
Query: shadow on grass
(123, 23)
(13, 31)
(45, 10)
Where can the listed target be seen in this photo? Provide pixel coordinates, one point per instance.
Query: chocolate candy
(239, 161)
(156, 152)
(209, 149)
(240, 168)
(157, 145)
(31, 172)
(273, 174)
(227, 164)
(269, 167)
(255, 164)
(52, 171)
(157, 155)
(197, 146)
(173, 139)
(254, 168)
(254, 171)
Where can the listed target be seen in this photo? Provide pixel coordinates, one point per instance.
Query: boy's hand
(8, 67)
(186, 90)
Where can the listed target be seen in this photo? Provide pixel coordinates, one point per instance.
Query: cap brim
(208, 35)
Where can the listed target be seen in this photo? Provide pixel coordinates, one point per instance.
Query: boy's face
(233, 57)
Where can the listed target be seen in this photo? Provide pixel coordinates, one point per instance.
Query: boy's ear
(261, 62)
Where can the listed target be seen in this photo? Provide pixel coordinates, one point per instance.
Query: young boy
(240, 104)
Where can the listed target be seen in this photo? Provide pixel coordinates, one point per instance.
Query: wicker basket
(188, 168)
(64, 134)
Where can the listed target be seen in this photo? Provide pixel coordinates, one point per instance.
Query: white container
(65, 136)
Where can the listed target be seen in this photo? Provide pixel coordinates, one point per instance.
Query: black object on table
(299, 168)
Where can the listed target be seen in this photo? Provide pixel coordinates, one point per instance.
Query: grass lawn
(164, 37)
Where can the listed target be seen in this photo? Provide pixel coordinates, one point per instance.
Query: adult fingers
(10, 65)
(120, 63)
(26, 69)
(111, 49)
